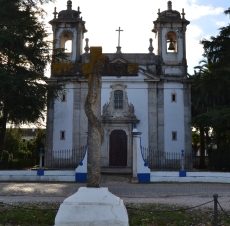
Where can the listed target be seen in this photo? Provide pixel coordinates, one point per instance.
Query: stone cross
(119, 34)
(92, 72)
(98, 66)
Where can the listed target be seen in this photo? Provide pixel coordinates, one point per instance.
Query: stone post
(81, 170)
(182, 172)
(140, 169)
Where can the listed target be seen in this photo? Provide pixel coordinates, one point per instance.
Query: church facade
(146, 91)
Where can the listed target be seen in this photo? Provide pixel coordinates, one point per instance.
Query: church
(146, 91)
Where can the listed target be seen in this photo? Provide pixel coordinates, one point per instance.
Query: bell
(171, 46)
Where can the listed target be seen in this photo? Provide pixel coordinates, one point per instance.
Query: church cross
(119, 33)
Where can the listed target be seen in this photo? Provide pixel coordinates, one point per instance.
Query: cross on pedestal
(119, 36)
(92, 72)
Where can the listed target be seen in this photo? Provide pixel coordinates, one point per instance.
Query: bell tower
(68, 33)
(174, 104)
(170, 29)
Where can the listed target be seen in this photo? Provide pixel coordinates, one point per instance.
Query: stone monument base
(92, 207)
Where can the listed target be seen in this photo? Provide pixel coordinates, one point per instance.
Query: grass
(43, 214)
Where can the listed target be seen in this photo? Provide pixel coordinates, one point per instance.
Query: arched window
(118, 99)
(171, 42)
(68, 46)
(67, 42)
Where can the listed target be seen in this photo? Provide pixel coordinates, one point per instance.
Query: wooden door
(118, 148)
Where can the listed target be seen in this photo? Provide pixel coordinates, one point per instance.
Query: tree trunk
(93, 112)
(202, 148)
(3, 121)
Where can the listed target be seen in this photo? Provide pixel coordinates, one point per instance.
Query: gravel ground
(182, 194)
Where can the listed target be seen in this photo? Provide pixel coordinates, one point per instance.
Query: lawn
(43, 214)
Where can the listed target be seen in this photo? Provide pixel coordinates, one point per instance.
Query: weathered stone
(92, 207)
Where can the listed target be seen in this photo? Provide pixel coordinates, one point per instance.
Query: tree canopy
(211, 89)
(24, 54)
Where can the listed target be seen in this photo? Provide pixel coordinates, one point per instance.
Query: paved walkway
(185, 194)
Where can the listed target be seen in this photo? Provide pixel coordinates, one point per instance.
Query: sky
(135, 17)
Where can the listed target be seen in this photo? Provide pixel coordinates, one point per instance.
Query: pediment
(149, 74)
(120, 67)
(119, 61)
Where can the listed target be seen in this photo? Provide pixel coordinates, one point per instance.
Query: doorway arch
(118, 148)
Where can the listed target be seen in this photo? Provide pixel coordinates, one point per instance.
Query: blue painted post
(81, 170)
(182, 172)
(40, 171)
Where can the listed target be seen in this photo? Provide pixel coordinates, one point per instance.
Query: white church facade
(146, 91)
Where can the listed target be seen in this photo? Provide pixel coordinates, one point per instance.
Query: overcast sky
(136, 18)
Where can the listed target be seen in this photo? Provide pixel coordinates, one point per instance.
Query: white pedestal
(92, 207)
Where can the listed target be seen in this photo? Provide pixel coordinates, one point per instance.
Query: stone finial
(69, 5)
(118, 49)
(151, 45)
(159, 12)
(86, 45)
(183, 13)
(169, 5)
(55, 13)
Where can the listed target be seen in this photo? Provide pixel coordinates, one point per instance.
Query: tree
(210, 91)
(23, 57)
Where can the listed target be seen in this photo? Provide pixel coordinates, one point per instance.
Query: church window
(118, 99)
(173, 97)
(63, 97)
(171, 42)
(174, 135)
(62, 135)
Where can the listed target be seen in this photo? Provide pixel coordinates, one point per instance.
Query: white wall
(138, 96)
(63, 120)
(173, 117)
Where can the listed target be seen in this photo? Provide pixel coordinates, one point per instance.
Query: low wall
(69, 176)
(169, 176)
(32, 175)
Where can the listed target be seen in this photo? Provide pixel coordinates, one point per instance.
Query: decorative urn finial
(169, 5)
(69, 5)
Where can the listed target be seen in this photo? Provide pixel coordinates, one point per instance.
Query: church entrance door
(118, 148)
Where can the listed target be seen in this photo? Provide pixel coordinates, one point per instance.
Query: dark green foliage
(210, 93)
(21, 153)
(24, 54)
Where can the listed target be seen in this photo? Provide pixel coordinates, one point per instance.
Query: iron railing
(64, 159)
(157, 160)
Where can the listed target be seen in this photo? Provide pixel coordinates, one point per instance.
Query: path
(186, 194)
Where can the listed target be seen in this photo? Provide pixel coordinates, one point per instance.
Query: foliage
(24, 54)
(210, 91)
(20, 153)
